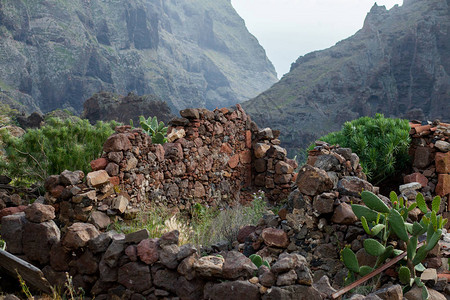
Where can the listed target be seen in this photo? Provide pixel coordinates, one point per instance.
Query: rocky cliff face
(106, 106)
(57, 53)
(397, 64)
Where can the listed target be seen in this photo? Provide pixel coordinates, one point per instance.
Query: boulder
(148, 251)
(297, 292)
(99, 219)
(422, 157)
(168, 256)
(313, 181)
(99, 163)
(11, 231)
(86, 264)
(209, 266)
(169, 238)
(38, 239)
(343, 214)
(287, 278)
(117, 142)
(135, 276)
(113, 253)
(443, 146)
(39, 213)
(97, 178)
(238, 265)
(327, 163)
(71, 178)
(79, 234)
(120, 203)
(416, 177)
(275, 237)
(323, 286)
(244, 232)
(137, 236)
(393, 292)
(190, 113)
(238, 290)
(353, 186)
(260, 150)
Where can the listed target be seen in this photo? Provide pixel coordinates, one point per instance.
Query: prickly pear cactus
(258, 261)
(381, 222)
(156, 130)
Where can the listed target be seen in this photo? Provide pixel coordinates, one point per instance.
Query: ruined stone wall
(136, 266)
(215, 158)
(430, 154)
(208, 159)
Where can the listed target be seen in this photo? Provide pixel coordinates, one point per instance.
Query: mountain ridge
(58, 53)
(397, 64)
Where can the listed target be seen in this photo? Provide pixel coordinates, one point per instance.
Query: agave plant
(157, 131)
(378, 220)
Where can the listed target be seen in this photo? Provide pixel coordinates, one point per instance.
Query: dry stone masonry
(301, 242)
(430, 154)
(215, 158)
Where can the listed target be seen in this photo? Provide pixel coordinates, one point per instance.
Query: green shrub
(53, 148)
(381, 143)
(7, 115)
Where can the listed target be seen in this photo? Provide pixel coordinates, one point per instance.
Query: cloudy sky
(288, 29)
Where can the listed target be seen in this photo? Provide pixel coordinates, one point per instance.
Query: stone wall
(430, 154)
(135, 266)
(302, 243)
(215, 158)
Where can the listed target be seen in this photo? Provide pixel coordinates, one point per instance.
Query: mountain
(196, 53)
(397, 64)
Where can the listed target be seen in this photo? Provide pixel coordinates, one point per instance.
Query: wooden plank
(360, 281)
(32, 275)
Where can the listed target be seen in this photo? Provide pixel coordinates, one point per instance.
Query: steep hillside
(397, 64)
(57, 53)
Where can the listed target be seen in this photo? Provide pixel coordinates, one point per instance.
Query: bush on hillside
(53, 148)
(381, 144)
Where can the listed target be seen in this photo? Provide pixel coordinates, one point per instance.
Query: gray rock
(209, 266)
(238, 265)
(168, 256)
(442, 145)
(240, 290)
(113, 253)
(38, 239)
(323, 286)
(353, 186)
(99, 219)
(394, 292)
(327, 163)
(11, 231)
(287, 278)
(137, 237)
(135, 276)
(292, 292)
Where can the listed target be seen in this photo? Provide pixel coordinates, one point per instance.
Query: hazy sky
(288, 29)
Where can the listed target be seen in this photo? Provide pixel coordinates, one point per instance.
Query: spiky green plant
(381, 143)
(380, 221)
(154, 129)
